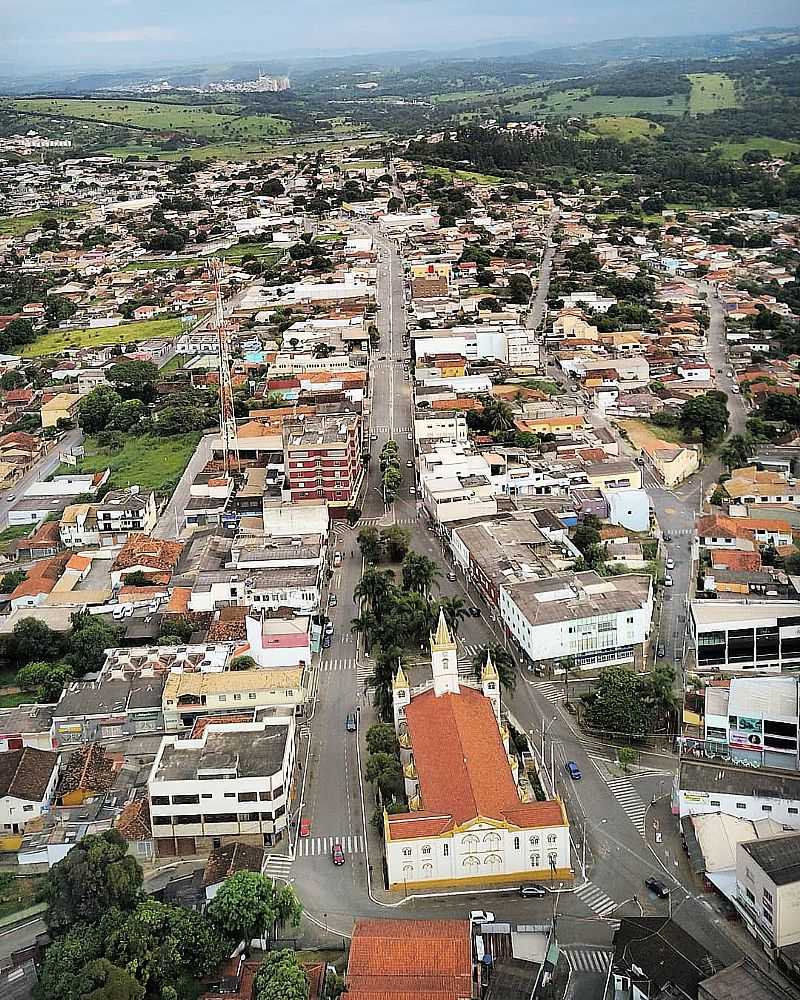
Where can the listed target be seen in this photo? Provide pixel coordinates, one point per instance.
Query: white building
(470, 820)
(231, 783)
(279, 642)
(599, 620)
(768, 892)
(28, 780)
(742, 635)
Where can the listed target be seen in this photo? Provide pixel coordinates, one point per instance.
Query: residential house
(62, 406)
(189, 696)
(28, 780)
(154, 557)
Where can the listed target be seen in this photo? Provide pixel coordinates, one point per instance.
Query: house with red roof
(472, 818)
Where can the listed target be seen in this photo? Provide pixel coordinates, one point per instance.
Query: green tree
(736, 451)
(63, 974)
(455, 611)
(175, 420)
(110, 982)
(281, 977)
(380, 680)
(88, 642)
(370, 544)
(626, 757)
(587, 533)
(59, 308)
(386, 771)
(134, 379)
(97, 875)
(243, 663)
(520, 289)
(498, 414)
(376, 588)
(705, 418)
(503, 662)
(11, 379)
(395, 541)
(20, 331)
(12, 579)
(420, 573)
(127, 416)
(33, 640)
(95, 409)
(381, 738)
(249, 905)
(618, 706)
(45, 680)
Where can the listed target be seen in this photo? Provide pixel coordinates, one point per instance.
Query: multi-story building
(189, 696)
(122, 512)
(768, 893)
(598, 620)
(742, 635)
(231, 783)
(323, 459)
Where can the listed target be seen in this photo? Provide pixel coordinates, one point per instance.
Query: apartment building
(323, 459)
(230, 784)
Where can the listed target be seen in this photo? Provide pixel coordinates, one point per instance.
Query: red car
(305, 827)
(337, 854)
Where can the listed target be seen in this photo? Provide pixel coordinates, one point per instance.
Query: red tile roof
(463, 768)
(153, 553)
(414, 959)
(735, 559)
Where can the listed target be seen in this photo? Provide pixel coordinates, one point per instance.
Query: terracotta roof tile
(142, 550)
(26, 773)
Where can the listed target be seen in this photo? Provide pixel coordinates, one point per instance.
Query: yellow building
(64, 406)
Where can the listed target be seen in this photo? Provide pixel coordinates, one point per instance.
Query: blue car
(573, 770)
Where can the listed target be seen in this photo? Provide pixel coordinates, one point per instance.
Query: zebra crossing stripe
(319, 846)
(631, 802)
(596, 899)
(588, 959)
(277, 864)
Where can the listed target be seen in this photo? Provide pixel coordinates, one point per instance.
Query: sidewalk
(37, 910)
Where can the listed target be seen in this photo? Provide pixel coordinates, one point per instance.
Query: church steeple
(444, 661)
(490, 684)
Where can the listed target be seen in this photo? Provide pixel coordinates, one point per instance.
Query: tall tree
(97, 875)
(376, 588)
(736, 451)
(455, 611)
(420, 573)
(281, 977)
(503, 662)
(249, 905)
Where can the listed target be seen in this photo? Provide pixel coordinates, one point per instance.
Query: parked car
(118, 613)
(374, 436)
(662, 650)
(667, 537)
(573, 770)
(475, 611)
(409, 464)
(532, 890)
(410, 436)
(337, 854)
(337, 558)
(332, 601)
(452, 577)
(350, 722)
(326, 642)
(10, 497)
(668, 581)
(481, 917)
(330, 628)
(670, 564)
(130, 610)
(305, 827)
(657, 887)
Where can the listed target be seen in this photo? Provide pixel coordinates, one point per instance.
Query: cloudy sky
(103, 34)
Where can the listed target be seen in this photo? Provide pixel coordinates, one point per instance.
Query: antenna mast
(227, 416)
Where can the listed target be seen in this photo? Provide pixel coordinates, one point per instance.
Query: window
(516, 843)
(551, 838)
(159, 800)
(248, 796)
(406, 852)
(766, 809)
(715, 802)
(534, 860)
(223, 697)
(230, 795)
(185, 800)
(206, 795)
(162, 820)
(426, 850)
(741, 805)
(792, 810)
(534, 840)
(445, 849)
(27, 809)
(237, 697)
(252, 696)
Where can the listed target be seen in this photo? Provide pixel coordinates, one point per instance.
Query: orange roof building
(471, 821)
(410, 959)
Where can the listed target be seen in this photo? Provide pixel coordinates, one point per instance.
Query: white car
(481, 917)
(670, 564)
(667, 580)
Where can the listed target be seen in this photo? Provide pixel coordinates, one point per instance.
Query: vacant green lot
(236, 152)
(463, 175)
(566, 103)
(213, 121)
(154, 463)
(266, 252)
(18, 892)
(19, 225)
(778, 147)
(625, 127)
(61, 340)
(711, 92)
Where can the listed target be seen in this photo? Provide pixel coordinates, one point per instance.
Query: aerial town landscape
(399, 506)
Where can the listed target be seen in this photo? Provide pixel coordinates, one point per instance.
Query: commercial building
(598, 620)
(754, 720)
(768, 894)
(231, 783)
(731, 636)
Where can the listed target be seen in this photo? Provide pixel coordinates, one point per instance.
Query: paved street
(44, 468)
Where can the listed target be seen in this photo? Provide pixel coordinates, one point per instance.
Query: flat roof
(778, 857)
(233, 681)
(249, 753)
(711, 613)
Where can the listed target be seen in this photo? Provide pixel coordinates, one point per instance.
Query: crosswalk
(630, 800)
(681, 532)
(397, 430)
(277, 866)
(470, 649)
(594, 897)
(588, 959)
(331, 666)
(551, 690)
(363, 671)
(308, 847)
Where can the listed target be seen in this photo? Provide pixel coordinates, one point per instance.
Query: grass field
(151, 462)
(213, 121)
(463, 175)
(235, 152)
(711, 92)
(61, 340)
(265, 251)
(625, 127)
(778, 147)
(19, 225)
(565, 103)
(15, 531)
(19, 892)
(174, 363)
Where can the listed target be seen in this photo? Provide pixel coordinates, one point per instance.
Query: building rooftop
(230, 681)
(26, 773)
(252, 751)
(579, 595)
(778, 857)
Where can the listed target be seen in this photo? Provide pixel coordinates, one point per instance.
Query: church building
(472, 818)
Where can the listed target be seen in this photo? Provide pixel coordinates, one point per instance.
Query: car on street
(305, 827)
(662, 649)
(118, 613)
(326, 642)
(332, 602)
(736, 390)
(411, 490)
(729, 373)
(670, 564)
(668, 581)
(481, 917)
(409, 464)
(329, 628)
(410, 436)
(451, 577)
(337, 558)
(474, 611)
(350, 722)
(657, 887)
(667, 537)
(573, 770)
(374, 436)
(10, 497)
(532, 890)
(337, 854)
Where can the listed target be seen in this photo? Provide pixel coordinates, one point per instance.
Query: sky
(122, 34)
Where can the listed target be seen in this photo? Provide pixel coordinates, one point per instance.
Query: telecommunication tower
(227, 415)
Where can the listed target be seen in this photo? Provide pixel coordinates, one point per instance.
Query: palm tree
(736, 451)
(419, 573)
(380, 680)
(498, 414)
(503, 662)
(366, 624)
(455, 611)
(375, 587)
